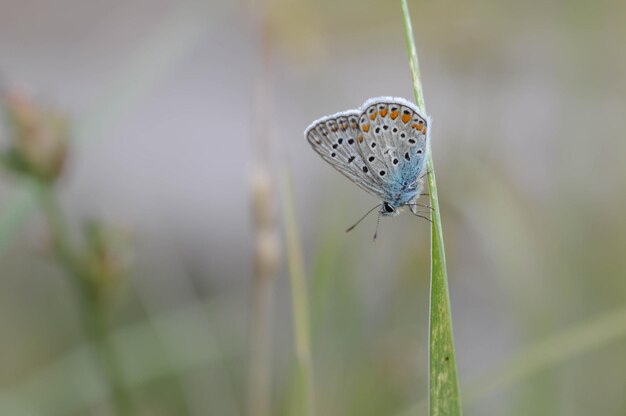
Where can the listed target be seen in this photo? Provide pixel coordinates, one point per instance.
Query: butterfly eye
(388, 208)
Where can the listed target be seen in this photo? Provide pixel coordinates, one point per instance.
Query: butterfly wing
(336, 139)
(394, 147)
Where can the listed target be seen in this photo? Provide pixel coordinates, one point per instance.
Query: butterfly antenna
(376, 231)
(362, 218)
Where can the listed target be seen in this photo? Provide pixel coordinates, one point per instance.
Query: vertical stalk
(444, 396)
(266, 263)
(265, 230)
(300, 300)
(94, 309)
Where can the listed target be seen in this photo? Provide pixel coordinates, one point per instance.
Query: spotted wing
(394, 145)
(336, 139)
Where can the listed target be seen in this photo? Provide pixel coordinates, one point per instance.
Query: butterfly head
(388, 210)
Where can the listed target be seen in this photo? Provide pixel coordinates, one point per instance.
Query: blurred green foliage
(528, 104)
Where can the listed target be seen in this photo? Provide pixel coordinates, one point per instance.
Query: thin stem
(259, 403)
(413, 61)
(299, 297)
(265, 230)
(94, 308)
(444, 397)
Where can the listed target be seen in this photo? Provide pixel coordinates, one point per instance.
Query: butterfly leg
(421, 216)
(420, 205)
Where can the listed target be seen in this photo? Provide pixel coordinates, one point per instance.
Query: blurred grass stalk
(267, 257)
(38, 152)
(94, 307)
(266, 263)
(444, 396)
(304, 403)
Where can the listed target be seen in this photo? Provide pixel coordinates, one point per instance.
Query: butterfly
(382, 147)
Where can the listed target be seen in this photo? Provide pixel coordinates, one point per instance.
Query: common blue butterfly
(381, 146)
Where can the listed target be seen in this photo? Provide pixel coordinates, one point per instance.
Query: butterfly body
(381, 147)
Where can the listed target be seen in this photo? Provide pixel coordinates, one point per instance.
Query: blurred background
(183, 114)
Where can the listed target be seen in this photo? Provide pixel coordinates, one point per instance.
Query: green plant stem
(299, 297)
(94, 309)
(444, 397)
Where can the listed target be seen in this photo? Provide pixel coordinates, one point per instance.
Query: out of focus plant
(106, 256)
(37, 151)
(39, 139)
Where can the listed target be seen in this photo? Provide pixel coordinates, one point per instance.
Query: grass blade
(301, 321)
(444, 397)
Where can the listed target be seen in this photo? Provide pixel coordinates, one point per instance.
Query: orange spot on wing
(365, 127)
(383, 112)
(415, 126)
(394, 114)
(359, 137)
(406, 118)
(373, 115)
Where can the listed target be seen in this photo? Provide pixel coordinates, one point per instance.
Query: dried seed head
(267, 246)
(107, 256)
(262, 199)
(39, 138)
(267, 259)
